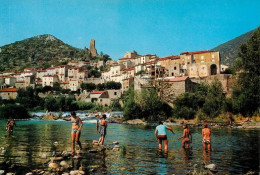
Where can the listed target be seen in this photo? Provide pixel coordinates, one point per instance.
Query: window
(100, 100)
(188, 62)
(202, 57)
(213, 56)
(172, 74)
(115, 93)
(175, 68)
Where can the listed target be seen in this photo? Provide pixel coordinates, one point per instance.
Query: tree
(88, 86)
(13, 111)
(112, 85)
(56, 87)
(215, 100)
(50, 104)
(28, 98)
(101, 86)
(246, 90)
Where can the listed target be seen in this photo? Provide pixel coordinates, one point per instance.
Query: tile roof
(196, 52)
(49, 75)
(178, 79)
(128, 69)
(169, 57)
(98, 92)
(51, 68)
(9, 90)
(126, 58)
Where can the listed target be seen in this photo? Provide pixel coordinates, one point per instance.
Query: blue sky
(161, 27)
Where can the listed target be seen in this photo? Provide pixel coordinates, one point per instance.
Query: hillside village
(170, 75)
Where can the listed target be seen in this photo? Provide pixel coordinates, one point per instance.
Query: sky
(161, 27)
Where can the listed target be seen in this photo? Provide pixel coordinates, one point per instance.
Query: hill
(229, 50)
(29, 52)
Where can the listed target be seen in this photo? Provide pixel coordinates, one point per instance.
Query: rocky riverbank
(192, 123)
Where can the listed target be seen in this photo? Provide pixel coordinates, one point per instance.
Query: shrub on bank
(13, 111)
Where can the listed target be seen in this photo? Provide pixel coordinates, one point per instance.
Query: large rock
(50, 117)
(211, 167)
(136, 122)
(53, 165)
(64, 164)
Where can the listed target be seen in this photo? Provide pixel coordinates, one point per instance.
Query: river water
(234, 151)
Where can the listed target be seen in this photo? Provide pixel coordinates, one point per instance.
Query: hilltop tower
(92, 48)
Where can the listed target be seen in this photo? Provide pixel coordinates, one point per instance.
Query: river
(234, 151)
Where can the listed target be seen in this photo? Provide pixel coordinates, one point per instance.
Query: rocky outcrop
(135, 122)
(92, 48)
(50, 117)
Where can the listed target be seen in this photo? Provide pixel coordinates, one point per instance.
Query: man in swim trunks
(10, 125)
(161, 135)
(76, 130)
(186, 137)
(206, 139)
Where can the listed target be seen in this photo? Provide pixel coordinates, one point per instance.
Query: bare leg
(204, 146)
(160, 144)
(165, 142)
(102, 139)
(209, 147)
(77, 140)
(73, 142)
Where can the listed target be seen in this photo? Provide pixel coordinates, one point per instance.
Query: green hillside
(229, 50)
(30, 51)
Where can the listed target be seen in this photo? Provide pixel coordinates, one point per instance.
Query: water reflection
(234, 151)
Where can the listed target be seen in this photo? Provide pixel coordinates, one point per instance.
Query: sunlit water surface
(234, 151)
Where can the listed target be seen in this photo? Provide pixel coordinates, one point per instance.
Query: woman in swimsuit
(206, 139)
(76, 129)
(186, 137)
(102, 129)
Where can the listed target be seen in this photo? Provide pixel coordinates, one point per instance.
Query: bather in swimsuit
(74, 130)
(103, 130)
(206, 141)
(162, 137)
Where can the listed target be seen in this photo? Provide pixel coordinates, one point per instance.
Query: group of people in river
(161, 136)
(160, 133)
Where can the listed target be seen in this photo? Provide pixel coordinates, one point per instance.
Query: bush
(13, 111)
(81, 105)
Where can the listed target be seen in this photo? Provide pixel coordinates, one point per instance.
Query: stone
(116, 146)
(93, 151)
(56, 158)
(115, 149)
(56, 143)
(95, 141)
(65, 174)
(65, 154)
(96, 144)
(44, 156)
(136, 122)
(210, 166)
(50, 117)
(29, 173)
(116, 142)
(53, 165)
(2, 172)
(76, 157)
(64, 164)
(10, 173)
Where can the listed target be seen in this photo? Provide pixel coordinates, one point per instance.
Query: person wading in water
(186, 137)
(76, 130)
(161, 135)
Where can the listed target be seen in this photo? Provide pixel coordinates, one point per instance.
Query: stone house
(73, 73)
(40, 73)
(83, 75)
(62, 72)
(51, 71)
(170, 89)
(49, 80)
(171, 65)
(8, 93)
(74, 85)
(127, 62)
(65, 85)
(104, 98)
(200, 63)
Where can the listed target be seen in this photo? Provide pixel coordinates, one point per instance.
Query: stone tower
(92, 48)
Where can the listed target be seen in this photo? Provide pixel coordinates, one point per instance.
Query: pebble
(211, 166)
(65, 174)
(64, 164)
(44, 156)
(116, 142)
(93, 151)
(56, 143)
(53, 165)
(77, 172)
(116, 149)
(29, 174)
(76, 157)
(2, 172)
(96, 144)
(10, 173)
(95, 141)
(116, 146)
(56, 158)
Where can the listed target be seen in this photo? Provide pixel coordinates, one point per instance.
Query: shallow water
(234, 151)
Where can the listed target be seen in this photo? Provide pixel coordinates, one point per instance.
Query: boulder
(50, 117)
(44, 155)
(76, 172)
(2, 172)
(64, 164)
(116, 142)
(29, 173)
(10, 173)
(136, 122)
(211, 167)
(53, 165)
(56, 158)
(93, 151)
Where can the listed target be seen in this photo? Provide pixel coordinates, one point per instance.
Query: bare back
(206, 132)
